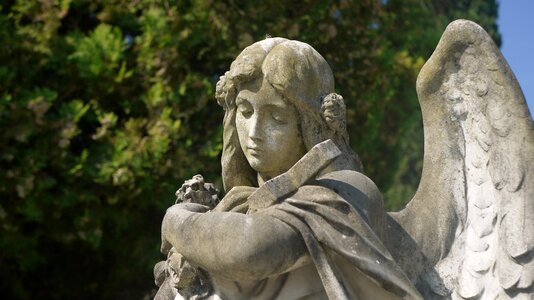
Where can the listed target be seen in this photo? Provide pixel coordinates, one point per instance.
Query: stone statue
(299, 219)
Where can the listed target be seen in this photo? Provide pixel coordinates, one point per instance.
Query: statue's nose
(255, 128)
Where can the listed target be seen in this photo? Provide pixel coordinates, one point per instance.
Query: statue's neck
(262, 178)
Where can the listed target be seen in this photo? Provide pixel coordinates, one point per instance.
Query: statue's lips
(254, 150)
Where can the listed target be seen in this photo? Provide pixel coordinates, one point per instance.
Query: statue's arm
(233, 245)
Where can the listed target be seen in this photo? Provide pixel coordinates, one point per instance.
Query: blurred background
(107, 106)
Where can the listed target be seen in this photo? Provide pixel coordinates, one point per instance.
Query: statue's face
(268, 129)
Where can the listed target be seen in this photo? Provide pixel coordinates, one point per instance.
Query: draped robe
(341, 219)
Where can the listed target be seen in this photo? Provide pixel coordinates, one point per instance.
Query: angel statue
(299, 219)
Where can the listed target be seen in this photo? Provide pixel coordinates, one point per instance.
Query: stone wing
(468, 233)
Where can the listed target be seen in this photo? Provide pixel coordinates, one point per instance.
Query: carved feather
(477, 123)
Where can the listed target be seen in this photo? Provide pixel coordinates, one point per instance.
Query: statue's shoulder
(359, 191)
(353, 184)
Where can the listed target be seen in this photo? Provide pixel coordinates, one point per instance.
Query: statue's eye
(279, 117)
(245, 110)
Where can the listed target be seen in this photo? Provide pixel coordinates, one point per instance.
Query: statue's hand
(173, 217)
(188, 206)
(236, 199)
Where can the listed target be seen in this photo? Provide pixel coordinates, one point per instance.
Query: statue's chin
(256, 163)
(261, 166)
(257, 166)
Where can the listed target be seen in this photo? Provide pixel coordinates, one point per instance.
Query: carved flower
(225, 91)
(195, 190)
(334, 112)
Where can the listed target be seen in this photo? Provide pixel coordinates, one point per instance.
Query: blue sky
(516, 24)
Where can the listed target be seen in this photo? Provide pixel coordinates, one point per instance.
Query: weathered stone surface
(299, 220)
(471, 221)
(299, 174)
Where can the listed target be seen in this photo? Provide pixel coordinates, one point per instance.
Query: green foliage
(100, 53)
(107, 106)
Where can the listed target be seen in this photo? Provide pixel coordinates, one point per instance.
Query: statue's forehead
(260, 92)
